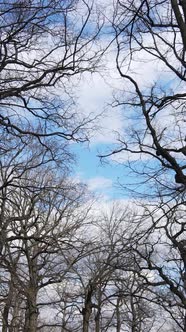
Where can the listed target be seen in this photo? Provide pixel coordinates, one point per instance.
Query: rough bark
(87, 310)
(118, 316)
(31, 314)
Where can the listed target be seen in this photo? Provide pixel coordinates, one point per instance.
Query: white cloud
(95, 95)
(95, 91)
(99, 183)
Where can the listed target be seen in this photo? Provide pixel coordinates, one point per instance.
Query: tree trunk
(17, 316)
(31, 314)
(118, 316)
(63, 328)
(134, 318)
(86, 317)
(5, 317)
(97, 320)
(87, 310)
(98, 312)
(7, 306)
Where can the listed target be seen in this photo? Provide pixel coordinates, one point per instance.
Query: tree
(153, 31)
(43, 44)
(153, 144)
(125, 295)
(109, 294)
(42, 243)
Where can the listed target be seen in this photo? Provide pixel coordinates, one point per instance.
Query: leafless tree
(153, 144)
(43, 217)
(43, 45)
(160, 257)
(152, 32)
(125, 295)
(109, 294)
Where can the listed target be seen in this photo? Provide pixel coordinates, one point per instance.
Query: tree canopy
(65, 265)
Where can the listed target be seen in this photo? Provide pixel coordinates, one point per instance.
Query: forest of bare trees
(64, 265)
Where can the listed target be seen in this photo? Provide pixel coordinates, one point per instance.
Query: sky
(95, 96)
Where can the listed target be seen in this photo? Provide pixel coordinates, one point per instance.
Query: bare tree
(152, 32)
(160, 259)
(43, 45)
(42, 240)
(153, 144)
(110, 295)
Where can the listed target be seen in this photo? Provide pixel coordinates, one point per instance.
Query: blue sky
(95, 95)
(106, 178)
(101, 177)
